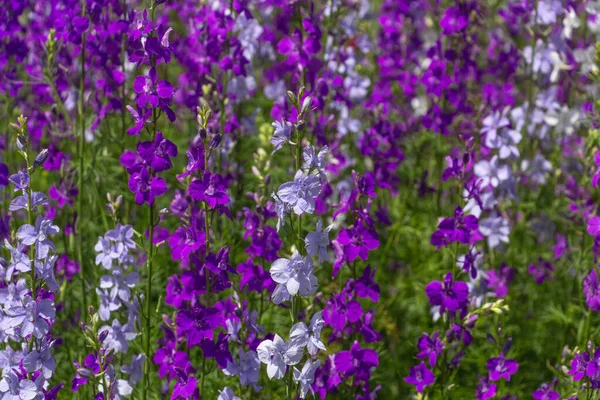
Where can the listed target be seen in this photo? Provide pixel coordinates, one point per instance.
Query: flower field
(289, 199)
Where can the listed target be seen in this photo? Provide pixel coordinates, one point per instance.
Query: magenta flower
(500, 367)
(420, 376)
(542, 270)
(357, 242)
(462, 228)
(152, 91)
(209, 189)
(356, 362)
(146, 189)
(430, 347)
(485, 389)
(157, 154)
(449, 295)
(591, 290)
(499, 280)
(198, 324)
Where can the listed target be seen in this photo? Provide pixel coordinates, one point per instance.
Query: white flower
(310, 336)
(277, 354)
(317, 242)
(295, 274)
(306, 377)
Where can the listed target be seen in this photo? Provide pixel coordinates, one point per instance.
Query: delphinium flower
(28, 310)
(420, 376)
(501, 368)
(542, 270)
(149, 46)
(115, 294)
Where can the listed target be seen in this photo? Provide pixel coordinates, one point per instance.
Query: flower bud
(215, 141)
(21, 142)
(41, 158)
(84, 372)
(102, 336)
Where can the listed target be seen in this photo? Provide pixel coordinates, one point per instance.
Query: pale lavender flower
(20, 202)
(227, 394)
(107, 252)
(281, 136)
(496, 229)
(306, 377)
(506, 143)
(118, 338)
(317, 242)
(300, 194)
(38, 235)
(495, 122)
(277, 354)
(537, 169)
(491, 173)
(309, 336)
(119, 283)
(108, 303)
(315, 161)
(41, 359)
(296, 274)
(18, 260)
(45, 271)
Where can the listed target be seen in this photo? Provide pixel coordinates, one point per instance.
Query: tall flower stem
(80, 151)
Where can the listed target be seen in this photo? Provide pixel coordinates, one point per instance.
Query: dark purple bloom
(485, 389)
(146, 189)
(357, 242)
(542, 270)
(198, 324)
(357, 362)
(430, 347)
(454, 20)
(591, 289)
(420, 376)
(218, 350)
(210, 189)
(449, 295)
(500, 367)
(560, 247)
(366, 287)
(461, 228)
(499, 280)
(157, 154)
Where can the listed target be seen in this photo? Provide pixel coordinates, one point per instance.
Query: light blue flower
(300, 194)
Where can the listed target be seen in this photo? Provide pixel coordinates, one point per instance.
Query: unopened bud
(102, 336)
(215, 141)
(41, 158)
(21, 142)
(84, 372)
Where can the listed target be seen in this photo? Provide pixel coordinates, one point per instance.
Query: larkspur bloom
(277, 354)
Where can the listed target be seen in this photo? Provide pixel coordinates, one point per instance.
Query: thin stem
(80, 151)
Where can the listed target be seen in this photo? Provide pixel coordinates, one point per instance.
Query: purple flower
(209, 189)
(542, 270)
(146, 189)
(356, 362)
(366, 287)
(218, 350)
(185, 386)
(485, 389)
(461, 228)
(157, 154)
(357, 242)
(560, 247)
(155, 92)
(430, 347)
(449, 295)
(499, 280)
(21, 180)
(420, 376)
(500, 367)
(454, 20)
(545, 392)
(198, 324)
(187, 240)
(579, 366)
(591, 289)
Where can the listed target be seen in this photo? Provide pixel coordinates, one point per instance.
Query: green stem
(80, 151)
